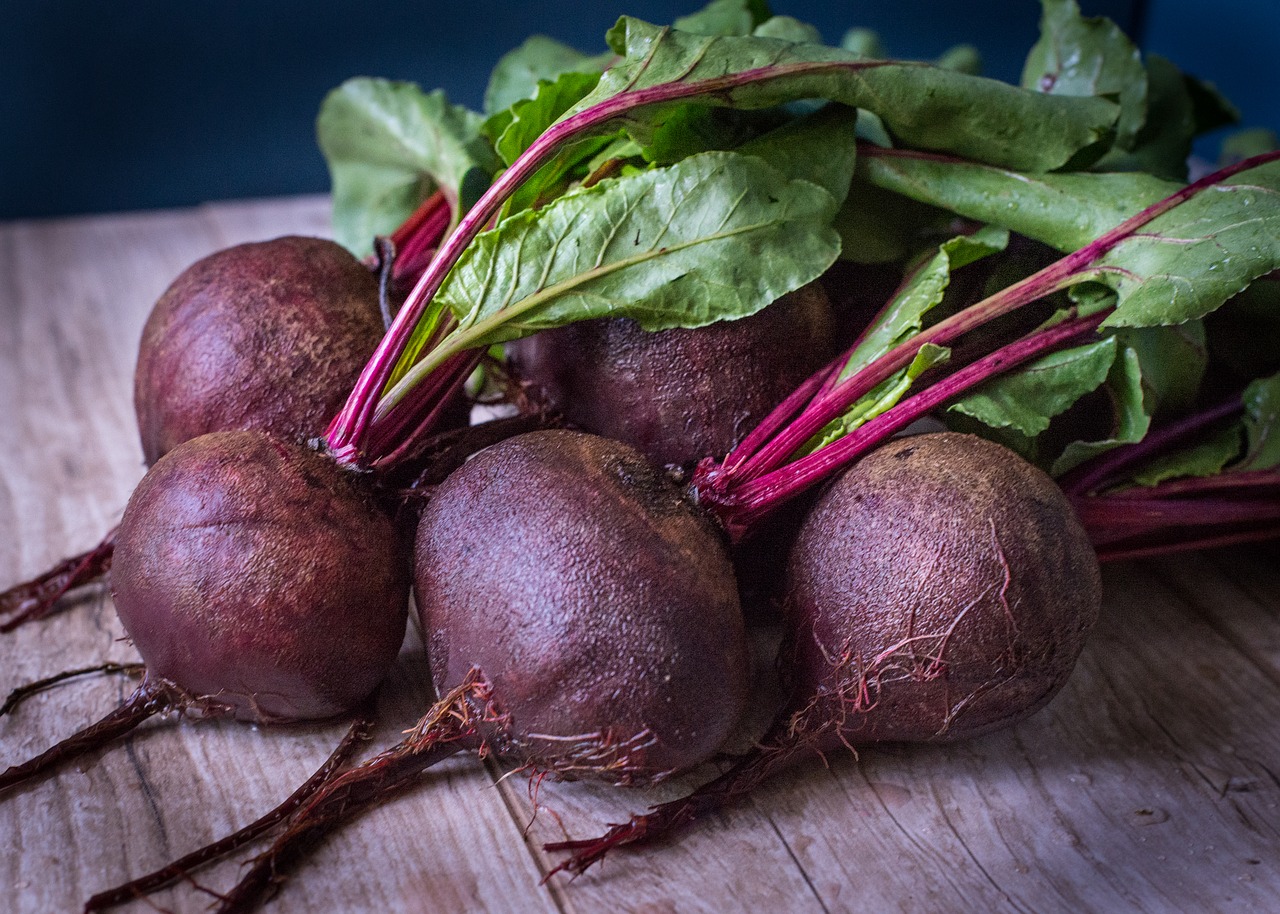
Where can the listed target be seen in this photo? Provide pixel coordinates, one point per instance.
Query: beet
(592, 596)
(941, 588)
(257, 573)
(268, 335)
(679, 395)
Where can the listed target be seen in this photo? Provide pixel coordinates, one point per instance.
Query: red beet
(268, 335)
(679, 395)
(596, 601)
(257, 573)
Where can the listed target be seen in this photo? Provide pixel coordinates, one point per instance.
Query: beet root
(941, 588)
(679, 395)
(258, 574)
(599, 606)
(269, 335)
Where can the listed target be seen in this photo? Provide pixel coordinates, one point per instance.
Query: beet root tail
(138, 888)
(668, 818)
(149, 699)
(449, 728)
(36, 598)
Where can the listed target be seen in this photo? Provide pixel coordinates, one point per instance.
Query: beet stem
(23, 692)
(35, 599)
(149, 699)
(356, 734)
(751, 501)
(1058, 275)
(346, 434)
(1096, 473)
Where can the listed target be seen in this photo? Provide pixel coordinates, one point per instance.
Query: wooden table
(1151, 784)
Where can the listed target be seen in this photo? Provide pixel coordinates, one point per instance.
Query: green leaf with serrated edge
(1131, 419)
(1063, 210)
(515, 128)
(725, 17)
(1204, 458)
(921, 105)
(1186, 262)
(538, 59)
(1262, 425)
(389, 146)
(714, 237)
(922, 291)
(1025, 400)
(1076, 56)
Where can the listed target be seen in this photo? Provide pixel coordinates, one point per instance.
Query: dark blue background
(155, 103)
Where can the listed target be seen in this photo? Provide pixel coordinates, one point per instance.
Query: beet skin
(941, 588)
(257, 573)
(269, 335)
(599, 605)
(679, 395)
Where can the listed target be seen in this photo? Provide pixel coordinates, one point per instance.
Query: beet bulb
(258, 574)
(679, 395)
(268, 335)
(581, 620)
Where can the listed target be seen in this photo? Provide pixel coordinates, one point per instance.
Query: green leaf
(788, 29)
(1076, 56)
(877, 226)
(1131, 419)
(513, 129)
(1262, 425)
(1173, 361)
(904, 315)
(539, 59)
(725, 17)
(714, 237)
(1063, 210)
(1189, 260)
(820, 148)
(1163, 144)
(921, 105)
(963, 57)
(864, 43)
(1205, 458)
(879, 399)
(1027, 399)
(389, 146)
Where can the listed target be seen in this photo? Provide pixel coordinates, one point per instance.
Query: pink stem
(1093, 475)
(747, 503)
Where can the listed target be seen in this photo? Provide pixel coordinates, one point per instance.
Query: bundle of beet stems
(687, 177)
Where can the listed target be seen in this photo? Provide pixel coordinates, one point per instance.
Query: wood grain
(1151, 784)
